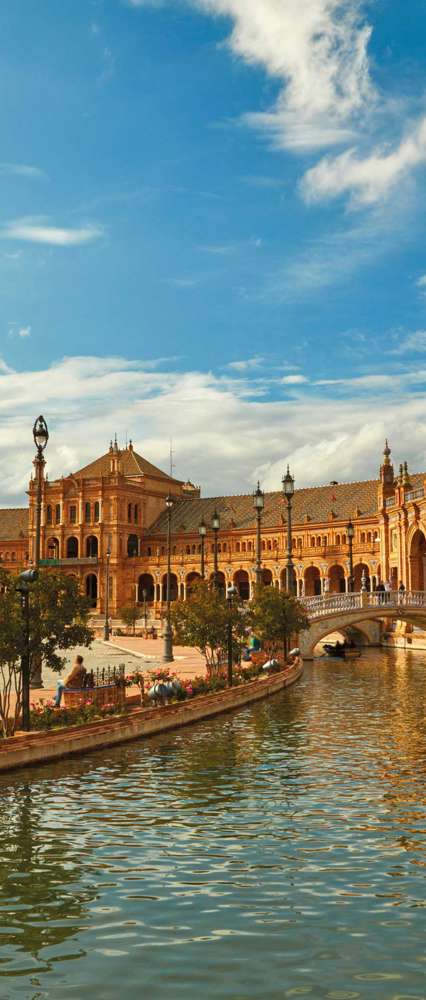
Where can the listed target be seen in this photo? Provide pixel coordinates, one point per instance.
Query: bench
(105, 694)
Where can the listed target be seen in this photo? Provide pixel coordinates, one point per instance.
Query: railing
(327, 604)
(415, 494)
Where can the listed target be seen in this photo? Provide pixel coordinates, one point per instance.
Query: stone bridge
(362, 612)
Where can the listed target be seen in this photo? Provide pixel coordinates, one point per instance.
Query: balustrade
(326, 604)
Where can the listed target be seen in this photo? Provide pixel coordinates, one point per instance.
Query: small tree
(275, 617)
(58, 621)
(129, 616)
(203, 621)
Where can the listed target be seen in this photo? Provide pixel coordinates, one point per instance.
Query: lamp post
(106, 625)
(41, 437)
(288, 490)
(144, 596)
(23, 587)
(231, 592)
(258, 504)
(168, 635)
(351, 532)
(215, 526)
(203, 532)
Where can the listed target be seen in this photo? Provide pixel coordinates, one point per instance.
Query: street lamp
(106, 625)
(351, 533)
(41, 437)
(25, 579)
(258, 504)
(144, 596)
(203, 532)
(288, 490)
(168, 635)
(231, 592)
(215, 526)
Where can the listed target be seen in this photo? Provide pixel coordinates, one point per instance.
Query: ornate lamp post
(351, 532)
(215, 526)
(231, 592)
(41, 437)
(168, 635)
(106, 625)
(144, 597)
(288, 490)
(203, 532)
(258, 504)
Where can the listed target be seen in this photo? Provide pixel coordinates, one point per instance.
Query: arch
(92, 546)
(359, 569)
(146, 582)
(52, 546)
(418, 561)
(92, 589)
(336, 576)
(267, 577)
(132, 545)
(173, 587)
(242, 583)
(72, 547)
(220, 579)
(312, 581)
(190, 580)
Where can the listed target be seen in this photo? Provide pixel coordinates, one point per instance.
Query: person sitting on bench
(76, 679)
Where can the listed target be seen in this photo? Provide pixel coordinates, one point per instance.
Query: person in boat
(78, 678)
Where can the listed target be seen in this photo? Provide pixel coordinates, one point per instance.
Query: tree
(203, 621)
(58, 617)
(275, 617)
(129, 616)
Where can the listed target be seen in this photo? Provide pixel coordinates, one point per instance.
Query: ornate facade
(118, 503)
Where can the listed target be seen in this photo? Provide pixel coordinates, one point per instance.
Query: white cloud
(32, 231)
(294, 380)
(215, 422)
(16, 331)
(367, 179)
(22, 170)
(414, 343)
(248, 364)
(181, 282)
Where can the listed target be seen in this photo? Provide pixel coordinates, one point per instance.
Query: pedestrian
(380, 590)
(401, 592)
(76, 679)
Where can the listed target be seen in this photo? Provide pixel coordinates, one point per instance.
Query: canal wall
(25, 750)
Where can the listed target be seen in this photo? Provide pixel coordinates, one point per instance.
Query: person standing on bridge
(387, 591)
(401, 592)
(380, 590)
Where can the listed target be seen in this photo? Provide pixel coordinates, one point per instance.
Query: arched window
(362, 537)
(13, 556)
(318, 540)
(193, 550)
(49, 514)
(337, 539)
(343, 539)
(129, 513)
(73, 514)
(219, 548)
(224, 546)
(96, 512)
(149, 551)
(92, 589)
(187, 550)
(312, 543)
(87, 513)
(369, 537)
(72, 548)
(136, 513)
(238, 547)
(243, 547)
(58, 513)
(299, 543)
(250, 546)
(92, 547)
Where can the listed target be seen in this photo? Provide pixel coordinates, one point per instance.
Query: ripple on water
(277, 851)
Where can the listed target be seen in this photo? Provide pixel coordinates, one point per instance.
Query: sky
(212, 218)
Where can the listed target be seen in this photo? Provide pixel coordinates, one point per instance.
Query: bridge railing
(327, 604)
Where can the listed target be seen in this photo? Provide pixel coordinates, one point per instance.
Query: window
(343, 539)
(337, 539)
(129, 512)
(49, 514)
(149, 552)
(238, 547)
(87, 513)
(319, 540)
(224, 546)
(312, 543)
(73, 514)
(369, 537)
(96, 511)
(250, 546)
(244, 547)
(13, 556)
(362, 537)
(188, 550)
(58, 513)
(299, 543)
(136, 513)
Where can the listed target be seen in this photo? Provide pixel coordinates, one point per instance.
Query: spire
(115, 444)
(386, 454)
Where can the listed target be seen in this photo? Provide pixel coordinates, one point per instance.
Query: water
(275, 852)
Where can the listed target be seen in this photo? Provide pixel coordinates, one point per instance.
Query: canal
(275, 852)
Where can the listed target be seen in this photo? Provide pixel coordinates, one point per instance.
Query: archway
(132, 545)
(242, 583)
(336, 576)
(267, 578)
(359, 570)
(190, 580)
(52, 546)
(92, 589)
(418, 561)
(145, 583)
(173, 587)
(312, 582)
(72, 548)
(92, 547)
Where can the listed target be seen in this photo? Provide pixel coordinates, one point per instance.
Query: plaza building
(114, 510)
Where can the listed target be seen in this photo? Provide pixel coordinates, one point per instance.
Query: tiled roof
(13, 524)
(131, 463)
(313, 504)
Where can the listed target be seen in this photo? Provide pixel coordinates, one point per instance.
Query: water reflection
(277, 851)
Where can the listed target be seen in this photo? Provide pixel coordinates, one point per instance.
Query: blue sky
(212, 228)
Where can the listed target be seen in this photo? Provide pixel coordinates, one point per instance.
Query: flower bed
(46, 715)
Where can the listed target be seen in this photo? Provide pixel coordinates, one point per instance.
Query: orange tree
(276, 617)
(203, 621)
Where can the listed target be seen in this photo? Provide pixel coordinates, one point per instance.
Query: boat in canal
(341, 650)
